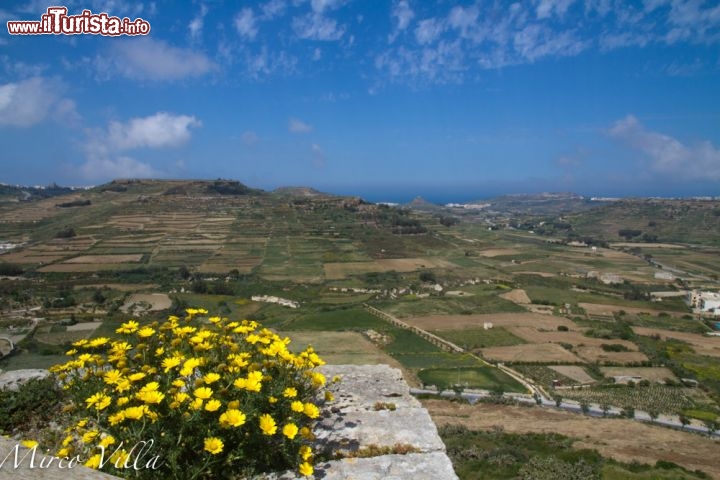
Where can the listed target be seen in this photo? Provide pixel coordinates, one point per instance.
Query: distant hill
(541, 203)
(419, 203)
(179, 187)
(298, 192)
(18, 193)
(651, 220)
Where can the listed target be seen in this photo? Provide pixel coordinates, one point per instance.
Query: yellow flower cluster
(229, 390)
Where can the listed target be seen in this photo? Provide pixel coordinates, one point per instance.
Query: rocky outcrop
(372, 419)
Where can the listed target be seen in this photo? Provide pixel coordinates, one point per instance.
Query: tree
(653, 414)
(683, 421)
(427, 277)
(184, 272)
(558, 400)
(585, 407)
(98, 297)
(712, 426)
(628, 412)
(605, 409)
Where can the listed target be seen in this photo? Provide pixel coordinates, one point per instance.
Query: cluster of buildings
(704, 302)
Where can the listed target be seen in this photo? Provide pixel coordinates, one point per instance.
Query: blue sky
(601, 97)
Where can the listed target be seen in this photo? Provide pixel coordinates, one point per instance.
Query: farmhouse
(707, 302)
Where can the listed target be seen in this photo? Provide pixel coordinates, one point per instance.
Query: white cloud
(259, 64)
(120, 167)
(245, 23)
(148, 59)
(155, 131)
(318, 155)
(31, 101)
(546, 8)
(442, 63)
(668, 155)
(196, 25)
(249, 138)
(319, 6)
(298, 126)
(103, 147)
(534, 42)
(314, 26)
(463, 19)
(428, 30)
(272, 9)
(403, 15)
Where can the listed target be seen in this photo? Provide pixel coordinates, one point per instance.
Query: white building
(705, 302)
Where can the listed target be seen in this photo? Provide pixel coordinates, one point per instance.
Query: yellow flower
(297, 406)
(29, 443)
(94, 461)
(290, 392)
(112, 377)
(318, 379)
(329, 397)
(213, 405)
(146, 332)
(116, 418)
(134, 413)
(122, 385)
(106, 441)
(213, 445)
(211, 377)
(159, 351)
(136, 376)
(99, 400)
(232, 418)
(71, 352)
(196, 404)
(119, 457)
(90, 436)
(97, 342)
(311, 410)
(305, 452)
(290, 430)
(189, 366)
(180, 397)
(305, 469)
(253, 382)
(203, 393)
(267, 424)
(67, 440)
(150, 387)
(178, 383)
(307, 434)
(152, 396)
(122, 401)
(128, 327)
(63, 453)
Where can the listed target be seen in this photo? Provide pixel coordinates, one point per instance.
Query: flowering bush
(191, 398)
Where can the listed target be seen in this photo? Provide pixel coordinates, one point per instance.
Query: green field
(485, 378)
(490, 455)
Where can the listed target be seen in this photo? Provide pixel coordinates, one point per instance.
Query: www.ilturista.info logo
(57, 22)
